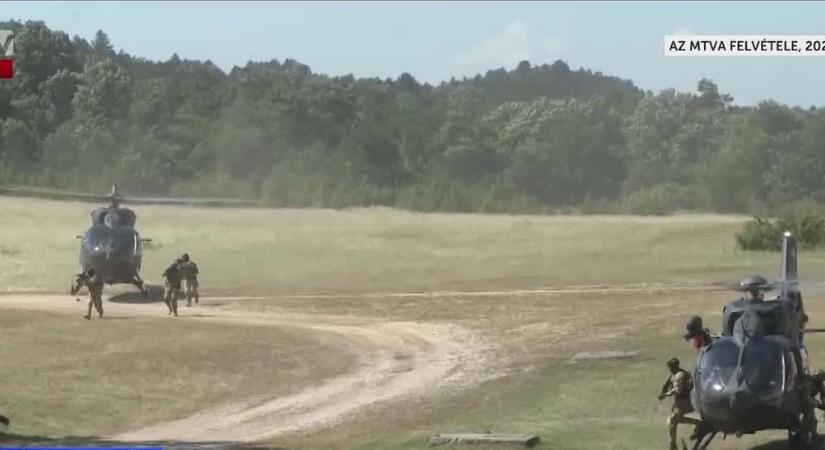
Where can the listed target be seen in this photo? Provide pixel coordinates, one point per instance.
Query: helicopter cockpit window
(97, 239)
(718, 365)
(764, 366)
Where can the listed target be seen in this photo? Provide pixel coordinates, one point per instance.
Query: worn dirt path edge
(397, 362)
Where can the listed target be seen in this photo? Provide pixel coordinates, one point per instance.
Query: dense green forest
(80, 116)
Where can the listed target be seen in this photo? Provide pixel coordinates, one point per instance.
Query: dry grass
(588, 405)
(368, 250)
(63, 376)
(598, 405)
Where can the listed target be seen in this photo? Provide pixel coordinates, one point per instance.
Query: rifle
(666, 386)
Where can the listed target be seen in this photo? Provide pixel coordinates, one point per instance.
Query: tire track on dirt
(396, 361)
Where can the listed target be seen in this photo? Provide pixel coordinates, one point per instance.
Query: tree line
(80, 116)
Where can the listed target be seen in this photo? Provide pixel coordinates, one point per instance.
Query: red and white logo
(6, 54)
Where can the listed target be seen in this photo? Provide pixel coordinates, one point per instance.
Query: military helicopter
(749, 378)
(112, 246)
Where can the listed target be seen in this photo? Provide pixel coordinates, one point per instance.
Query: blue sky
(436, 40)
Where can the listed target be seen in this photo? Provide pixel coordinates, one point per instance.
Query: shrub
(766, 234)
(759, 234)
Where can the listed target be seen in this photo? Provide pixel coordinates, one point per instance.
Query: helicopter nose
(742, 401)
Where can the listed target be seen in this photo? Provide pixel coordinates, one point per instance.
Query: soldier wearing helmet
(172, 286)
(189, 274)
(94, 283)
(679, 386)
(756, 285)
(697, 333)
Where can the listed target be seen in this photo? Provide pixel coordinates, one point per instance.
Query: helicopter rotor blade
(51, 194)
(215, 202)
(55, 194)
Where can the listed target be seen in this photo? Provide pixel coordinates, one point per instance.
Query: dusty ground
(394, 360)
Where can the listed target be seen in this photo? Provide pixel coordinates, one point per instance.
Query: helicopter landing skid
(704, 436)
(140, 285)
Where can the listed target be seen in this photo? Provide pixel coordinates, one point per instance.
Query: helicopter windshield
(97, 240)
(718, 365)
(763, 364)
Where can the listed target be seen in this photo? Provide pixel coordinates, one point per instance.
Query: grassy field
(603, 405)
(590, 405)
(68, 377)
(369, 250)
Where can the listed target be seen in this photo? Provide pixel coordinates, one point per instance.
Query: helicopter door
(792, 370)
(802, 362)
(138, 246)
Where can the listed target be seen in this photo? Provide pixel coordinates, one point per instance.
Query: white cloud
(511, 46)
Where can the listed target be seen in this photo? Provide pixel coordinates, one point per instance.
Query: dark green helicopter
(111, 246)
(751, 377)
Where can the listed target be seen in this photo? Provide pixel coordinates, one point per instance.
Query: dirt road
(398, 361)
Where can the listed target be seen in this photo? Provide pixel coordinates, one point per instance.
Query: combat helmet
(673, 363)
(184, 257)
(694, 327)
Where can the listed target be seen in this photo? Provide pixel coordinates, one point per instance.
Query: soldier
(172, 287)
(189, 273)
(818, 389)
(809, 388)
(678, 385)
(696, 332)
(94, 284)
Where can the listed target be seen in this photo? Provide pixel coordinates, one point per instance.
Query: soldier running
(189, 273)
(94, 284)
(172, 286)
(678, 385)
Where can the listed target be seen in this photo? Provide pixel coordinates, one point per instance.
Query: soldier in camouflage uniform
(678, 385)
(189, 273)
(172, 286)
(810, 387)
(94, 284)
(818, 389)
